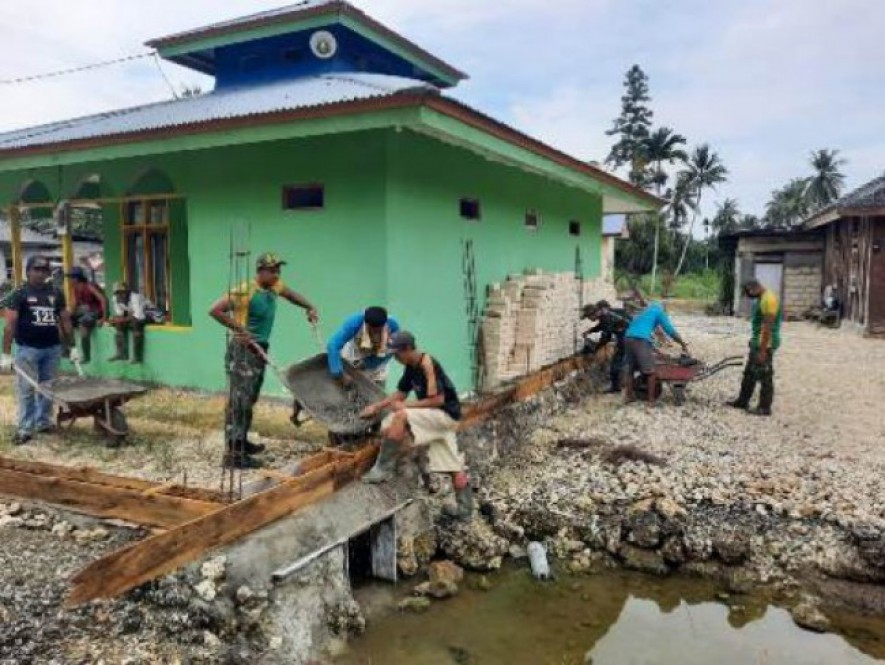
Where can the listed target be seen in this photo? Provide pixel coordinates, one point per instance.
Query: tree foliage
(633, 126)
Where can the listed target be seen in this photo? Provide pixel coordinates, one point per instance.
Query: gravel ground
(819, 455)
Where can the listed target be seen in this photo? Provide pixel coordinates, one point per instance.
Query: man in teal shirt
(640, 350)
(249, 311)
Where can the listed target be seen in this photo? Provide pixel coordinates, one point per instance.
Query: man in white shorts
(430, 420)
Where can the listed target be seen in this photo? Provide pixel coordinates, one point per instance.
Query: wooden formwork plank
(525, 388)
(103, 500)
(162, 553)
(89, 475)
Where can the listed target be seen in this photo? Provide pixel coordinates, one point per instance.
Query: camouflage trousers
(245, 373)
(761, 373)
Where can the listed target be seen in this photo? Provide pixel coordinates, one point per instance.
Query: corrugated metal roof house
(328, 138)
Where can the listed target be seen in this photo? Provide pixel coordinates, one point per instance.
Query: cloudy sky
(763, 81)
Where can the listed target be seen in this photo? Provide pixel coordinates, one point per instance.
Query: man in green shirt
(764, 341)
(249, 311)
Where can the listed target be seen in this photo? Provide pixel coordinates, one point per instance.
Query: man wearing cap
(610, 323)
(430, 420)
(38, 320)
(89, 310)
(129, 314)
(362, 341)
(249, 311)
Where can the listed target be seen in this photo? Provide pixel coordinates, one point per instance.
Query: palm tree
(705, 171)
(789, 205)
(661, 146)
(826, 184)
(727, 217)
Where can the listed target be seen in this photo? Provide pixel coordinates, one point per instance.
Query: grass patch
(704, 286)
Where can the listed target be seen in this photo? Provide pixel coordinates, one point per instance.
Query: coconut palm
(704, 171)
(826, 184)
(789, 205)
(659, 148)
(727, 217)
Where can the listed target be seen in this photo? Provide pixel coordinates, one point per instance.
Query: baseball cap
(119, 287)
(77, 273)
(269, 260)
(38, 262)
(401, 341)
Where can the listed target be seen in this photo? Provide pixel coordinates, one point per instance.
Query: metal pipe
(281, 574)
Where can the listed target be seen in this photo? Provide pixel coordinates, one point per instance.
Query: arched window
(152, 223)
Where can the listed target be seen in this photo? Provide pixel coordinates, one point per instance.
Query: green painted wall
(425, 276)
(336, 256)
(391, 233)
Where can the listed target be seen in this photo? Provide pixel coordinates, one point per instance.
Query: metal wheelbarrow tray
(679, 372)
(324, 400)
(97, 397)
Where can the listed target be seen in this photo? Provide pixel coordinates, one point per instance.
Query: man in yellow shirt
(766, 339)
(249, 311)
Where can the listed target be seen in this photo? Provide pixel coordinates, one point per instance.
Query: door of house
(771, 276)
(877, 279)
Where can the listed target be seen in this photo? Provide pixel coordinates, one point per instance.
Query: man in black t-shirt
(36, 317)
(430, 420)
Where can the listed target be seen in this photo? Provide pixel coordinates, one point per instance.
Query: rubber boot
(766, 397)
(122, 351)
(86, 345)
(463, 508)
(748, 385)
(137, 348)
(385, 464)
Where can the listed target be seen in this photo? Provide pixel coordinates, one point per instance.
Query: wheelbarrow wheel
(678, 394)
(118, 429)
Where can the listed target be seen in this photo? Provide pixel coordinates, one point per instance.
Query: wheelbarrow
(325, 400)
(679, 372)
(86, 396)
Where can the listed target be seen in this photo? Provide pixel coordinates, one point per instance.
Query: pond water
(610, 618)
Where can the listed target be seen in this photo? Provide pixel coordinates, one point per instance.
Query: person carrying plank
(430, 420)
(249, 311)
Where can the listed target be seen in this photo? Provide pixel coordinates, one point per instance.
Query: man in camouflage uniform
(249, 311)
(611, 323)
(766, 339)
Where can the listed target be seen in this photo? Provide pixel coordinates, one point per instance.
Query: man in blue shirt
(640, 350)
(362, 341)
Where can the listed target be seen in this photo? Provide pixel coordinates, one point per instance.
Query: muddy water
(616, 618)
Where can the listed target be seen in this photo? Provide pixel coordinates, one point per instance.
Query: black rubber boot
(463, 508)
(86, 345)
(385, 464)
(254, 448)
(137, 348)
(122, 350)
(748, 385)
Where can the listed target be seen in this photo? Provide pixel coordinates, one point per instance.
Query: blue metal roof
(310, 92)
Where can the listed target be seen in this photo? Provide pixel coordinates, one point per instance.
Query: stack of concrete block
(531, 321)
(802, 289)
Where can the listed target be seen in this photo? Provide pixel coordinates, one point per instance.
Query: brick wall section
(802, 286)
(533, 320)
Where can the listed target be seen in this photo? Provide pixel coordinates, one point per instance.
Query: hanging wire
(75, 70)
(163, 74)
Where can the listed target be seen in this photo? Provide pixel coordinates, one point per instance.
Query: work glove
(5, 363)
(76, 356)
